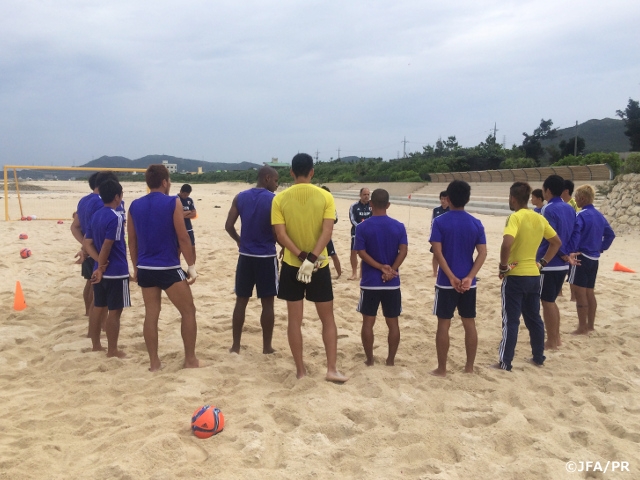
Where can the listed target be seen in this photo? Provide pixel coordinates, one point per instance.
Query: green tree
(567, 147)
(531, 145)
(631, 117)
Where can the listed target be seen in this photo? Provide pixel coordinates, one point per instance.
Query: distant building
(172, 167)
(274, 163)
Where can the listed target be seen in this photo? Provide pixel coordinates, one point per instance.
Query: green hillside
(606, 135)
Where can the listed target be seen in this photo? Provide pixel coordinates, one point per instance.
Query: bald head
(268, 178)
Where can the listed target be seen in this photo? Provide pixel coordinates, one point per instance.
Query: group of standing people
(536, 253)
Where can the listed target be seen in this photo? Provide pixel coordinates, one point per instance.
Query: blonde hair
(586, 192)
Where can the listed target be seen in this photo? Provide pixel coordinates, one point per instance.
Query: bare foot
(580, 331)
(117, 353)
(390, 362)
(155, 367)
(550, 346)
(235, 349)
(301, 374)
(353, 277)
(438, 373)
(194, 363)
(268, 350)
(369, 362)
(336, 377)
(98, 348)
(468, 369)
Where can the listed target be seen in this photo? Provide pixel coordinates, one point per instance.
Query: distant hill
(184, 164)
(106, 162)
(606, 135)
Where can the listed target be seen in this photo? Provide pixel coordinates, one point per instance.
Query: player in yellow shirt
(520, 275)
(567, 195)
(302, 217)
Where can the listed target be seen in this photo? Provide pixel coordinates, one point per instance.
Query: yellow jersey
(302, 208)
(572, 202)
(527, 228)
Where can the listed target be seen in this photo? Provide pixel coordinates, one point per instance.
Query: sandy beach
(71, 413)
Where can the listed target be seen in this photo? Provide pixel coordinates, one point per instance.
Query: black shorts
(259, 271)
(391, 301)
(551, 284)
(112, 293)
(353, 241)
(319, 290)
(331, 250)
(584, 275)
(87, 268)
(448, 299)
(160, 278)
(192, 237)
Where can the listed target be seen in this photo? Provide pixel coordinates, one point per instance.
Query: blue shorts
(319, 290)
(331, 250)
(259, 271)
(160, 278)
(192, 237)
(551, 284)
(584, 275)
(112, 293)
(87, 268)
(391, 301)
(448, 299)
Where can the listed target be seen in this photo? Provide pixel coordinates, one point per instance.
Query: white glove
(318, 262)
(191, 273)
(305, 272)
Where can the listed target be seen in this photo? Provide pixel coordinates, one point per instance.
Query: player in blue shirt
(87, 206)
(381, 243)
(441, 210)
(537, 200)
(157, 234)
(257, 262)
(190, 213)
(592, 235)
(358, 213)
(104, 241)
(455, 237)
(562, 218)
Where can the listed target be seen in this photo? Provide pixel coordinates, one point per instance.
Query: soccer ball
(25, 253)
(207, 421)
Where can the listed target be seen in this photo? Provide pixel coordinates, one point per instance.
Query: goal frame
(15, 169)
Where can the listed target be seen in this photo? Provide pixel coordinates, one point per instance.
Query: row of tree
(448, 156)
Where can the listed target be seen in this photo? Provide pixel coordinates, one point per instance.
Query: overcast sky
(250, 80)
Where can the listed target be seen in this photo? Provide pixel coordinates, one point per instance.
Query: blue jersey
(157, 239)
(358, 213)
(187, 206)
(380, 236)
(562, 218)
(459, 233)
(87, 206)
(592, 234)
(256, 232)
(108, 224)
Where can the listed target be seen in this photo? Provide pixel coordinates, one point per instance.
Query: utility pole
(338, 153)
(404, 148)
(575, 143)
(494, 132)
(317, 152)
(504, 141)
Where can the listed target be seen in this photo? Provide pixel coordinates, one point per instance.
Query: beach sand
(68, 412)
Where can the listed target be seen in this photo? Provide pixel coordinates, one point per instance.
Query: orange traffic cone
(621, 268)
(18, 302)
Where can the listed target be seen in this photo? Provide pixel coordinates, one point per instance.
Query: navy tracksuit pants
(521, 295)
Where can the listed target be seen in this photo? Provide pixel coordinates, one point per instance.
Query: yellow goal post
(51, 198)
